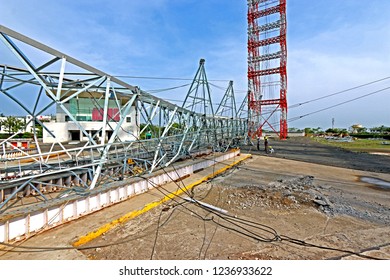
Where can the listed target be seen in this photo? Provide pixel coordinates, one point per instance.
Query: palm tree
(12, 124)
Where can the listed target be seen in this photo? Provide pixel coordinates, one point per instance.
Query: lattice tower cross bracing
(267, 66)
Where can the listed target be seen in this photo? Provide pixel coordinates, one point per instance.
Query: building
(356, 128)
(87, 109)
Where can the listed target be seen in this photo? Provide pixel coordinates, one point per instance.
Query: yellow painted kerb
(131, 215)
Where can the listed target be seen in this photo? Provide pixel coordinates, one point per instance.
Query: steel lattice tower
(267, 66)
(118, 130)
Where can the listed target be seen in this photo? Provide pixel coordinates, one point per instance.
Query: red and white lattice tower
(267, 67)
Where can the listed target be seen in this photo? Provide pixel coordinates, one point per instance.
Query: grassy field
(360, 145)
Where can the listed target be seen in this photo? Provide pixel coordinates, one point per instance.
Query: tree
(361, 130)
(337, 131)
(333, 130)
(152, 129)
(317, 130)
(344, 131)
(308, 131)
(380, 129)
(294, 129)
(12, 124)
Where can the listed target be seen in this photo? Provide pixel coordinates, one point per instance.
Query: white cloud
(337, 60)
(328, 50)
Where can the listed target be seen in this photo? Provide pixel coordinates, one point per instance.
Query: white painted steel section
(114, 196)
(93, 203)
(37, 222)
(131, 190)
(21, 227)
(54, 215)
(68, 212)
(2, 233)
(17, 228)
(122, 193)
(138, 187)
(103, 199)
(80, 207)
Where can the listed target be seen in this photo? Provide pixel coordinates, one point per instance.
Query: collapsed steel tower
(104, 130)
(267, 67)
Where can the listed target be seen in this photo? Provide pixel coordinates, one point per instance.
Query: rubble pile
(282, 194)
(295, 193)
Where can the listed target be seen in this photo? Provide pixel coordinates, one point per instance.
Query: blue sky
(332, 45)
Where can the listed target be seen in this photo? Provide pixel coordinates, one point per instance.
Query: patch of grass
(360, 145)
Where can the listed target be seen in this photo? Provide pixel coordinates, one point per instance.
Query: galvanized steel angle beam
(181, 130)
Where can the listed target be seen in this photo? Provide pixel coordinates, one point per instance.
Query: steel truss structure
(122, 114)
(267, 66)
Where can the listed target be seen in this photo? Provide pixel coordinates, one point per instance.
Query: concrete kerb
(133, 214)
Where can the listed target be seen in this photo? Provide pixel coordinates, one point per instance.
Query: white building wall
(60, 130)
(63, 130)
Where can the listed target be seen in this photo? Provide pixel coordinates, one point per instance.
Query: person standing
(258, 143)
(266, 144)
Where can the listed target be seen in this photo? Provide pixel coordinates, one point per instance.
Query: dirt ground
(305, 201)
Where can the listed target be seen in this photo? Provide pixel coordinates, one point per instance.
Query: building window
(128, 119)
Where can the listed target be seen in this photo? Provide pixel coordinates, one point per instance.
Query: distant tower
(267, 66)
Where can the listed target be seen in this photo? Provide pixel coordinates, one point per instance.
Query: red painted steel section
(257, 53)
(265, 12)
